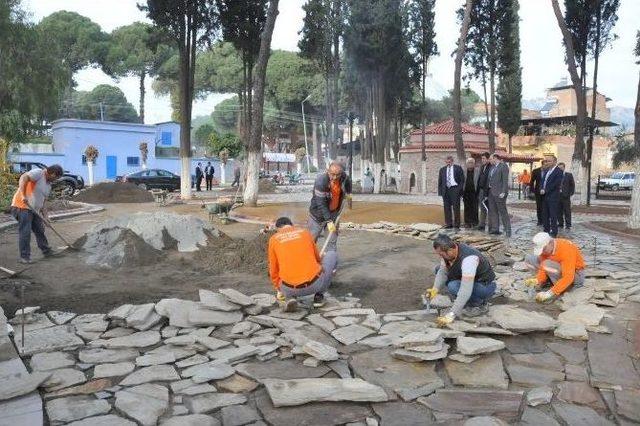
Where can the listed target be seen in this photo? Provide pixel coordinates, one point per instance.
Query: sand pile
(228, 255)
(138, 239)
(114, 192)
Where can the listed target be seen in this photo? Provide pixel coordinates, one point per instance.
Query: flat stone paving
(192, 373)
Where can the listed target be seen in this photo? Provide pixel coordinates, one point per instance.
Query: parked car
(618, 181)
(67, 184)
(152, 179)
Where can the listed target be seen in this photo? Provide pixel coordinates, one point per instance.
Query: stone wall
(411, 163)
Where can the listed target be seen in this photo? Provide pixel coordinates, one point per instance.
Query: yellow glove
(544, 296)
(280, 297)
(445, 320)
(331, 226)
(431, 293)
(531, 282)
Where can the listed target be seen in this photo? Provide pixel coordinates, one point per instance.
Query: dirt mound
(228, 255)
(266, 185)
(119, 247)
(114, 192)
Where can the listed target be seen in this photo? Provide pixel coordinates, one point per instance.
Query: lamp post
(304, 127)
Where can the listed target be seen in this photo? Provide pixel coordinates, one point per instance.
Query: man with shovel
(28, 206)
(329, 192)
(296, 268)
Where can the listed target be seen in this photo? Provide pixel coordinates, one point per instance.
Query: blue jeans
(28, 222)
(481, 292)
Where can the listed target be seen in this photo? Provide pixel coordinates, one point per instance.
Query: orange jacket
(293, 257)
(568, 255)
(525, 178)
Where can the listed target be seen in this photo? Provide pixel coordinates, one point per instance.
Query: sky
(542, 52)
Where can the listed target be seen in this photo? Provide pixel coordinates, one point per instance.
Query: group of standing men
(552, 187)
(208, 174)
(485, 188)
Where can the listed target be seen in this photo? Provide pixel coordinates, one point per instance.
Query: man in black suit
(483, 190)
(208, 175)
(450, 181)
(567, 189)
(536, 182)
(198, 177)
(550, 191)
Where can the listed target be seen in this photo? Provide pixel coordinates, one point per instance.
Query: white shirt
(546, 176)
(451, 181)
(41, 189)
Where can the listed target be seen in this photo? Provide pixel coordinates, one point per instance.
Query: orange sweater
(293, 257)
(568, 255)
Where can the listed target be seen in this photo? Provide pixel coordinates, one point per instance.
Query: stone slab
(102, 356)
(413, 356)
(540, 395)
(401, 413)
(520, 320)
(234, 296)
(610, 368)
(588, 314)
(63, 378)
(478, 345)
(22, 383)
(579, 415)
(155, 373)
(487, 371)
(94, 386)
(628, 403)
(209, 402)
(503, 404)
(238, 415)
(534, 417)
(51, 361)
(140, 339)
(524, 344)
(214, 370)
(545, 360)
(286, 393)
(530, 376)
(280, 369)
(144, 403)
(571, 331)
(580, 393)
(191, 420)
(108, 420)
(236, 384)
(217, 301)
(351, 334)
(75, 408)
(233, 353)
(573, 352)
(49, 339)
(113, 370)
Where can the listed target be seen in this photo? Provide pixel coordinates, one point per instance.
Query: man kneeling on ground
(558, 262)
(468, 276)
(295, 266)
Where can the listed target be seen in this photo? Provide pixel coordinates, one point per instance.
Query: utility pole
(351, 117)
(304, 127)
(101, 112)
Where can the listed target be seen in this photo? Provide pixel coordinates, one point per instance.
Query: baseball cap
(540, 240)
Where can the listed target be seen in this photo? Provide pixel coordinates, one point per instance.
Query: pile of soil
(114, 192)
(266, 186)
(225, 254)
(119, 247)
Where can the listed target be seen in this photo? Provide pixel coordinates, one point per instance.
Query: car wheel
(615, 187)
(142, 186)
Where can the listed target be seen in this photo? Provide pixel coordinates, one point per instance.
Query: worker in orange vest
(34, 187)
(525, 181)
(295, 266)
(555, 260)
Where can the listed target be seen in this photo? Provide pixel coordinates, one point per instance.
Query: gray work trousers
(497, 213)
(320, 284)
(553, 269)
(29, 222)
(317, 228)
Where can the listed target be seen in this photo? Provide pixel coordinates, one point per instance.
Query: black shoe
(318, 300)
(495, 233)
(481, 228)
(448, 227)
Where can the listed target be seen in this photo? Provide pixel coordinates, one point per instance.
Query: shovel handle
(46, 222)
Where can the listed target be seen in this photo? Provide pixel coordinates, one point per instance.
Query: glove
(531, 282)
(331, 226)
(445, 320)
(280, 297)
(544, 296)
(431, 293)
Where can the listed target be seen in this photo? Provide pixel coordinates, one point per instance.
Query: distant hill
(624, 117)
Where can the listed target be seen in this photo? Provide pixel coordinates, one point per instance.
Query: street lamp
(304, 126)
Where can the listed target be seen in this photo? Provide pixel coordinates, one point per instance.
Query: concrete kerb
(85, 209)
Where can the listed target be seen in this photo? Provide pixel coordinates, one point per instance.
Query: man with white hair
(556, 261)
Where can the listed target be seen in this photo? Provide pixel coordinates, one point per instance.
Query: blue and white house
(118, 147)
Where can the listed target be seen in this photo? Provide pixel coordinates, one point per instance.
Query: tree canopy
(103, 102)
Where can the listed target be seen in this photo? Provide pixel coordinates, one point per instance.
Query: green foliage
(77, 41)
(316, 35)
(115, 107)
(440, 110)
(636, 51)
(225, 115)
(625, 151)
(580, 17)
(290, 79)
(422, 34)
(227, 141)
(219, 70)
(510, 84)
(242, 23)
(203, 133)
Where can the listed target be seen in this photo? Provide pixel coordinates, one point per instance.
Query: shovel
(326, 241)
(12, 273)
(46, 222)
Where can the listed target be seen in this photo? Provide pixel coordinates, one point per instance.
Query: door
(112, 166)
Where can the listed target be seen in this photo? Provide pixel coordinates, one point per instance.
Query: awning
(278, 157)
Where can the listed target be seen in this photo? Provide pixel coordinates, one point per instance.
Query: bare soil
(599, 209)
(619, 229)
(114, 192)
(388, 272)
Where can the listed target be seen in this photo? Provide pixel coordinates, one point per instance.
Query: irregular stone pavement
(118, 368)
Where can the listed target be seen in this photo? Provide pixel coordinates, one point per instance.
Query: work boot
(318, 300)
(51, 253)
(291, 305)
(24, 261)
(475, 311)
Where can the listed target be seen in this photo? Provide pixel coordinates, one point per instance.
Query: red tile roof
(446, 128)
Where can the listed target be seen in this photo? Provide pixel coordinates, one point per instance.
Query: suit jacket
(198, 172)
(499, 180)
(552, 187)
(536, 180)
(209, 170)
(458, 175)
(476, 178)
(567, 185)
(483, 179)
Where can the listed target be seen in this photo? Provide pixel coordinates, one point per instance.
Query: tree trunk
(492, 123)
(634, 216)
(185, 126)
(457, 102)
(142, 95)
(593, 102)
(578, 153)
(254, 148)
(486, 101)
(423, 124)
(510, 144)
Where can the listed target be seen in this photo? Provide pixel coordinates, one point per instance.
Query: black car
(67, 184)
(153, 179)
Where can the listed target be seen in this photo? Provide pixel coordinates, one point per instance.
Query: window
(84, 160)
(165, 137)
(152, 173)
(164, 173)
(133, 161)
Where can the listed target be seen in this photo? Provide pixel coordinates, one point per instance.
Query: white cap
(540, 240)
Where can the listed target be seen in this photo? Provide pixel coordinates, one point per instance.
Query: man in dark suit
(567, 189)
(498, 193)
(536, 182)
(198, 177)
(450, 182)
(470, 194)
(208, 175)
(483, 190)
(550, 191)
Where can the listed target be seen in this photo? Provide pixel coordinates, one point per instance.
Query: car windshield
(136, 174)
(617, 175)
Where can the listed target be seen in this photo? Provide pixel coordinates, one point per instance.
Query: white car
(618, 181)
